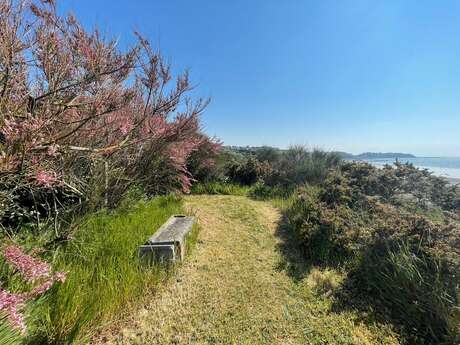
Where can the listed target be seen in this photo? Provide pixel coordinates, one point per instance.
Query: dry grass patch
(325, 281)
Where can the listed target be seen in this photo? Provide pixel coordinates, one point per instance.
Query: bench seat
(168, 244)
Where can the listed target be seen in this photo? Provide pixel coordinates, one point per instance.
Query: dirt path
(235, 289)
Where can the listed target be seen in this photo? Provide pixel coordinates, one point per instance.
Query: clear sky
(341, 75)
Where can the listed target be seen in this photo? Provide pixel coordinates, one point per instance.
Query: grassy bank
(104, 278)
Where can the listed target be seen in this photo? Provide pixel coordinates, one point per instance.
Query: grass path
(237, 287)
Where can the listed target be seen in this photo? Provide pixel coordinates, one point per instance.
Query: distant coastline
(376, 155)
(452, 180)
(446, 167)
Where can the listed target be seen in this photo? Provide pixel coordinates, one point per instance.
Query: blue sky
(341, 75)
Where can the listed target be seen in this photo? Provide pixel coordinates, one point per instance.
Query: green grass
(220, 188)
(7, 335)
(105, 278)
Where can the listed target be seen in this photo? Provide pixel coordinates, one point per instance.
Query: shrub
(325, 234)
(248, 172)
(92, 120)
(402, 261)
(298, 166)
(203, 163)
(402, 180)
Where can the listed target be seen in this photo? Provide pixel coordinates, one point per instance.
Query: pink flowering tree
(70, 100)
(35, 273)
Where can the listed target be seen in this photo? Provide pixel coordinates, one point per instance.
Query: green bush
(323, 232)
(261, 191)
(248, 172)
(298, 166)
(406, 265)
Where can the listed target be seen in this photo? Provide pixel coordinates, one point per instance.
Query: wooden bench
(168, 244)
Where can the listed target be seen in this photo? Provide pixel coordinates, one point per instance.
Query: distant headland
(342, 154)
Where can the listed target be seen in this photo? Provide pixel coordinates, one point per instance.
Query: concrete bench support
(168, 243)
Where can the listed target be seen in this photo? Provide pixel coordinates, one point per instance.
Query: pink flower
(46, 285)
(35, 160)
(46, 178)
(53, 150)
(60, 277)
(30, 268)
(10, 304)
(126, 127)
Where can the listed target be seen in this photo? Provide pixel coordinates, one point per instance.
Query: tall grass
(7, 335)
(104, 277)
(416, 288)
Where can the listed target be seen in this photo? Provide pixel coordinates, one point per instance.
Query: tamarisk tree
(71, 99)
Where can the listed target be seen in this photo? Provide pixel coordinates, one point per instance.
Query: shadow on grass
(409, 308)
(293, 259)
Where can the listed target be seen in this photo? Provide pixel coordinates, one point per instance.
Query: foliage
(78, 113)
(298, 166)
(37, 276)
(403, 182)
(278, 169)
(261, 191)
(367, 220)
(249, 172)
(203, 163)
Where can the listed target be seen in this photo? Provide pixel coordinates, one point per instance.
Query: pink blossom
(159, 126)
(60, 277)
(53, 150)
(10, 304)
(42, 288)
(126, 127)
(30, 268)
(46, 285)
(46, 178)
(186, 182)
(34, 160)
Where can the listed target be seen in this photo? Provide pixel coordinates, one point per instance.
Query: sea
(448, 167)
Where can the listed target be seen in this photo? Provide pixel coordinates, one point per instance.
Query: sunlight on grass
(104, 274)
